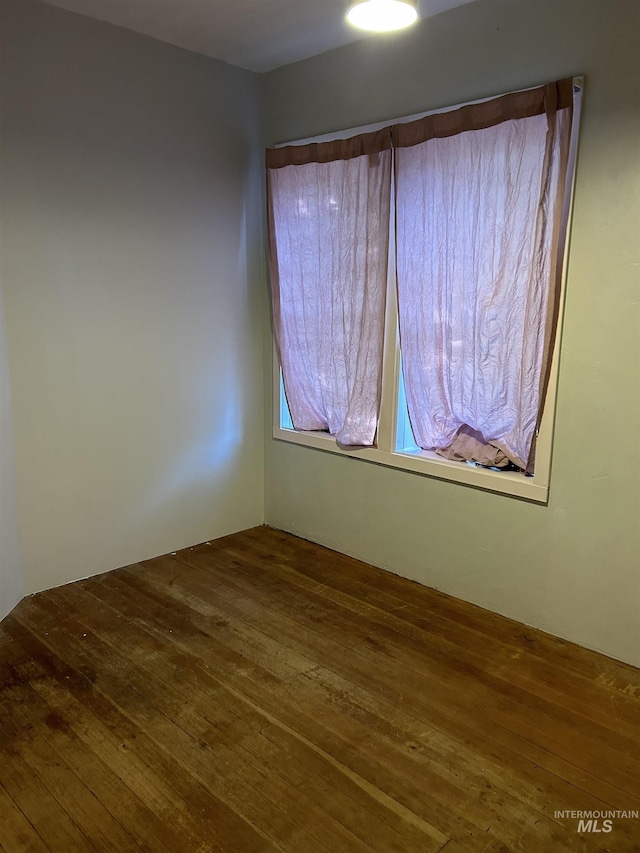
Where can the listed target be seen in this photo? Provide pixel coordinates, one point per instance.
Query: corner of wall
(11, 588)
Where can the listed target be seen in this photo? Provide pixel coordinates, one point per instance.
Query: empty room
(319, 426)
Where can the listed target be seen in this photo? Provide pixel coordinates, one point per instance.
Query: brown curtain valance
(328, 152)
(517, 105)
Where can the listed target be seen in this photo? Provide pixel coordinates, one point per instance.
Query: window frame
(425, 462)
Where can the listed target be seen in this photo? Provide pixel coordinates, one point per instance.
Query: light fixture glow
(382, 16)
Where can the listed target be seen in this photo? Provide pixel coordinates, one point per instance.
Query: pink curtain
(479, 196)
(329, 208)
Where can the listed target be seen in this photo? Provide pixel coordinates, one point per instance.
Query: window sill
(428, 464)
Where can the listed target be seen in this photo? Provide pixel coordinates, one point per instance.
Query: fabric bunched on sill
(470, 446)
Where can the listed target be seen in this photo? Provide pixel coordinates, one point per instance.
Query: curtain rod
(578, 86)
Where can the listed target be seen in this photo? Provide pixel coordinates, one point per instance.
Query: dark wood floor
(260, 693)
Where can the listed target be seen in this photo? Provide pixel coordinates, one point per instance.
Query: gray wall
(131, 265)
(132, 275)
(10, 566)
(572, 567)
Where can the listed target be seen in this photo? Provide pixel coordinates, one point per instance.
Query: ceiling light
(381, 16)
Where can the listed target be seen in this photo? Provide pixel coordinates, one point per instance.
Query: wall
(572, 567)
(10, 567)
(131, 262)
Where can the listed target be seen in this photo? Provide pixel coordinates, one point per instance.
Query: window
(417, 276)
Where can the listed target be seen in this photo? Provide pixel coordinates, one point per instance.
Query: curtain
(328, 220)
(479, 199)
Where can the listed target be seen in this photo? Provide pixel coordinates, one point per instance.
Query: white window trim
(426, 462)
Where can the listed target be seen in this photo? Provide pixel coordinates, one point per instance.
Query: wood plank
(38, 805)
(439, 614)
(131, 792)
(540, 676)
(125, 602)
(106, 815)
(141, 614)
(579, 799)
(182, 802)
(572, 660)
(17, 831)
(260, 693)
(465, 690)
(240, 776)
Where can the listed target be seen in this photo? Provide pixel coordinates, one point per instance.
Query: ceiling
(256, 34)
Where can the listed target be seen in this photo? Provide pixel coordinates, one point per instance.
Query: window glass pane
(285, 414)
(405, 441)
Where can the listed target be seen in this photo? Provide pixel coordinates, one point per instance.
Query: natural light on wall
(381, 16)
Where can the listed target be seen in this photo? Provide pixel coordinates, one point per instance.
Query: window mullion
(387, 422)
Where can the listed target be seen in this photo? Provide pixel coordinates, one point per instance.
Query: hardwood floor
(260, 693)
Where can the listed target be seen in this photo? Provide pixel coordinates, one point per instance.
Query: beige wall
(572, 567)
(132, 272)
